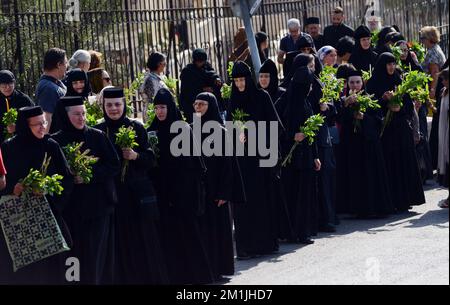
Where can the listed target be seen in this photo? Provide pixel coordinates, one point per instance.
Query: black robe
(20, 154)
(364, 189)
(91, 206)
(256, 229)
(17, 100)
(319, 41)
(181, 193)
(398, 143)
(299, 177)
(363, 60)
(138, 252)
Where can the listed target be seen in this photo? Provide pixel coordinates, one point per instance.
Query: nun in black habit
(268, 80)
(91, 205)
(299, 176)
(197, 77)
(23, 152)
(366, 187)
(216, 221)
(77, 83)
(255, 227)
(139, 257)
(398, 143)
(181, 200)
(10, 97)
(382, 43)
(363, 57)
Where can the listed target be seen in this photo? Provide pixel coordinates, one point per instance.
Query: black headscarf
(270, 67)
(363, 59)
(117, 93)
(260, 38)
(23, 131)
(76, 75)
(213, 113)
(301, 60)
(243, 100)
(381, 81)
(381, 43)
(63, 116)
(298, 108)
(409, 61)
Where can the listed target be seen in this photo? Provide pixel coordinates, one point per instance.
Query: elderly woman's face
(7, 89)
(405, 51)
(330, 59)
(114, 108)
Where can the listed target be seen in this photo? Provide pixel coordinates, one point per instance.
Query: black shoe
(306, 241)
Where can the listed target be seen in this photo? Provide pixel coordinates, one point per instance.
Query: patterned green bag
(30, 229)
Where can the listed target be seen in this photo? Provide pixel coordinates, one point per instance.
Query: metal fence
(127, 31)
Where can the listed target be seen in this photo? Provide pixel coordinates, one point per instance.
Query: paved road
(412, 248)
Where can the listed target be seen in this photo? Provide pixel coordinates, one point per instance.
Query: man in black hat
(337, 29)
(313, 28)
(10, 98)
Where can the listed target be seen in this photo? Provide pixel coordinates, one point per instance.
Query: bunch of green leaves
(418, 49)
(226, 91)
(366, 75)
(9, 118)
(151, 115)
(309, 129)
(132, 91)
(80, 163)
(375, 37)
(397, 52)
(420, 94)
(332, 87)
(38, 183)
(230, 70)
(171, 83)
(365, 101)
(239, 118)
(126, 139)
(94, 113)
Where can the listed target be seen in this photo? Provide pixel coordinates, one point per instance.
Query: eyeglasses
(200, 104)
(4, 86)
(40, 124)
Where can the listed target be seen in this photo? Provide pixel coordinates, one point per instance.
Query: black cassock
(398, 143)
(20, 154)
(299, 177)
(364, 188)
(333, 33)
(216, 221)
(180, 192)
(17, 100)
(91, 207)
(255, 224)
(138, 252)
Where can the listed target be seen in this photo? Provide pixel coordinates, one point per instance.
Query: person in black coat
(337, 29)
(139, 256)
(181, 199)
(91, 205)
(198, 77)
(256, 230)
(382, 43)
(27, 150)
(398, 143)
(216, 221)
(366, 188)
(299, 175)
(10, 97)
(363, 57)
(268, 80)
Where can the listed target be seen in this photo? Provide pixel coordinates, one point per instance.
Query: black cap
(351, 73)
(7, 77)
(113, 93)
(361, 32)
(69, 101)
(76, 74)
(30, 112)
(312, 20)
(199, 55)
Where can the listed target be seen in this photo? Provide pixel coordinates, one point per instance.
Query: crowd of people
(183, 220)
